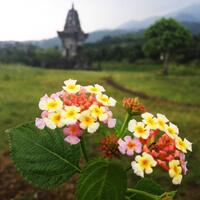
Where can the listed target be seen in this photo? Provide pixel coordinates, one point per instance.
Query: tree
(166, 38)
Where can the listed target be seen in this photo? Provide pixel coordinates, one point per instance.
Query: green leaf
(102, 180)
(42, 156)
(147, 189)
(150, 186)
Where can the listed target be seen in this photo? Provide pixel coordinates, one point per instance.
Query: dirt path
(111, 82)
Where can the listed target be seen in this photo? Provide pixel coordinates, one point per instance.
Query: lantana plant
(49, 151)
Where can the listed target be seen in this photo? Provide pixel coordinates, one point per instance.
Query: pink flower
(39, 123)
(44, 98)
(43, 101)
(129, 145)
(183, 162)
(56, 95)
(44, 114)
(111, 123)
(72, 139)
(73, 130)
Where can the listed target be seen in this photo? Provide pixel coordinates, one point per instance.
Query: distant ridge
(190, 14)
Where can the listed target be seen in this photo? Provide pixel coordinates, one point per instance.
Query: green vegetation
(21, 88)
(166, 37)
(174, 43)
(57, 158)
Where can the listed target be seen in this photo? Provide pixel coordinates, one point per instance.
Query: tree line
(164, 41)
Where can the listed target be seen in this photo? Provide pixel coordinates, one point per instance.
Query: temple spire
(72, 37)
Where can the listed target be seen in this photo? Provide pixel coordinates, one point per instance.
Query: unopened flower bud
(133, 106)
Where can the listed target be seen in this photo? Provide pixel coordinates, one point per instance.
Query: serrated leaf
(42, 156)
(102, 180)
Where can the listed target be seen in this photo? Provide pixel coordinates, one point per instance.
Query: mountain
(186, 16)
(99, 35)
(137, 25)
(48, 43)
(192, 10)
(194, 27)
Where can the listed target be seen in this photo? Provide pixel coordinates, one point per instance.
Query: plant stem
(123, 128)
(132, 190)
(83, 148)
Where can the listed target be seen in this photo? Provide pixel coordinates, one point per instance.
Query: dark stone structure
(72, 38)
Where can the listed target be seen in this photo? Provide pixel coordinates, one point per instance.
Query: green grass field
(21, 88)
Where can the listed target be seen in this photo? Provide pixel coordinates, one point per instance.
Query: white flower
(161, 121)
(71, 87)
(138, 129)
(88, 122)
(171, 130)
(96, 89)
(183, 145)
(143, 164)
(71, 114)
(175, 171)
(98, 112)
(105, 100)
(149, 120)
(54, 120)
(50, 104)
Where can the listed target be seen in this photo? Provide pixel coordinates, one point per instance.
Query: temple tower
(72, 37)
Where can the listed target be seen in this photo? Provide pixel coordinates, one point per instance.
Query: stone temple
(72, 37)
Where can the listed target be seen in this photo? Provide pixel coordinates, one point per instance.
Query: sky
(22, 20)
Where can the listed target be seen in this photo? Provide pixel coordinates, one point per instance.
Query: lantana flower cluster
(156, 142)
(76, 109)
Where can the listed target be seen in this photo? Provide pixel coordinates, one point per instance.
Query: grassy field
(21, 88)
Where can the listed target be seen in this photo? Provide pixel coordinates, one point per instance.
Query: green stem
(132, 190)
(83, 148)
(123, 128)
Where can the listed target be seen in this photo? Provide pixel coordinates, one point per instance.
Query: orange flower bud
(133, 105)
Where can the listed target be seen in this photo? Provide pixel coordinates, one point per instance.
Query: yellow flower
(96, 89)
(161, 121)
(98, 112)
(175, 171)
(54, 120)
(138, 129)
(71, 87)
(149, 120)
(88, 122)
(105, 100)
(183, 145)
(71, 114)
(143, 164)
(171, 130)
